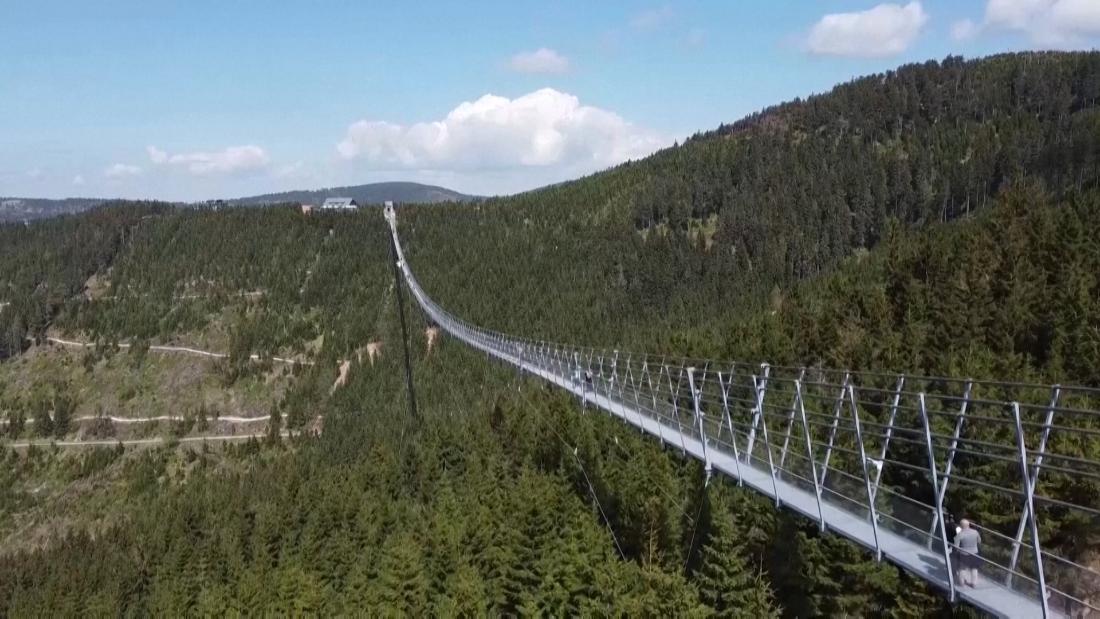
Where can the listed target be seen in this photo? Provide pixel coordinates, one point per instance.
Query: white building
(339, 204)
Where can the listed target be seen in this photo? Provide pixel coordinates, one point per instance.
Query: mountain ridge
(21, 208)
(369, 193)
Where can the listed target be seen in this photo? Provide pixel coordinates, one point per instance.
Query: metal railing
(902, 453)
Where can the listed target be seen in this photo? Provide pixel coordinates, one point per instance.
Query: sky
(217, 99)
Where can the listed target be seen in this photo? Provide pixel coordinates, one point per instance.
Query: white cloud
(1013, 13)
(35, 173)
(121, 170)
(964, 30)
(1048, 23)
(652, 19)
(884, 30)
(545, 129)
(78, 179)
(542, 60)
(291, 170)
(231, 160)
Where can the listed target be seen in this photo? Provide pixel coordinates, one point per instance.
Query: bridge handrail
(698, 404)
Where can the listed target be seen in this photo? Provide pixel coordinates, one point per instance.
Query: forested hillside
(20, 209)
(939, 219)
(787, 193)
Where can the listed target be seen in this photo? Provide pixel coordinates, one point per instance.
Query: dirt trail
(178, 349)
(129, 420)
(156, 440)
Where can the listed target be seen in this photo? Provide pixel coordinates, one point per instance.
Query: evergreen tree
(726, 582)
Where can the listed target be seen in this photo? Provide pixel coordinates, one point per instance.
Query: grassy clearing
(47, 493)
(126, 384)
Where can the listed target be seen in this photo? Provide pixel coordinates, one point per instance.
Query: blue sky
(193, 100)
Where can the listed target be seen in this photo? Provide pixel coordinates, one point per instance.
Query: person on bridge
(967, 541)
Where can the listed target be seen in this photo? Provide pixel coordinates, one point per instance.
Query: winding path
(178, 349)
(156, 440)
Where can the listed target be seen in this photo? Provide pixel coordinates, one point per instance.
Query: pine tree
(726, 581)
(275, 427)
(401, 585)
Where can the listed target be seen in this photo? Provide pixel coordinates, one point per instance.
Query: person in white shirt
(967, 541)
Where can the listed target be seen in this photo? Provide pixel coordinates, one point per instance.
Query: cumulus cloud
(542, 60)
(291, 170)
(542, 129)
(35, 173)
(121, 170)
(78, 179)
(1048, 23)
(231, 160)
(884, 30)
(964, 30)
(651, 19)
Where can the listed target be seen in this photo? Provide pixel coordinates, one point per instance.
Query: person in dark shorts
(967, 542)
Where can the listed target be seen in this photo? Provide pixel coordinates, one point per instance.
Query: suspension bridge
(873, 457)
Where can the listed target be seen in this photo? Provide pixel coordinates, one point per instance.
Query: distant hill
(23, 209)
(19, 209)
(372, 193)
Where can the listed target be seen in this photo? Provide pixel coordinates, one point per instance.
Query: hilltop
(371, 193)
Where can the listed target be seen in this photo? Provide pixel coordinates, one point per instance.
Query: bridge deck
(910, 556)
(914, 557)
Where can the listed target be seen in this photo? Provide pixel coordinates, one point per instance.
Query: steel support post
(585, 378)
(936, 490)
(700, 386)
(761, 387)
(724, 387)
(579, 375)
(1029, 497)
(520, 369)
(854, 408)
(598, 381)
(653, 396)
(810, 453)
(951, 452)
(610, 383)
(622, 386)
(621, 382)
(764, 428)
(729, 422)
(832, 431)
(699, 420)
(889, 432)
(637, 400)
(1056, 392)
(404, 331)
(676, 405)
(790, 420)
